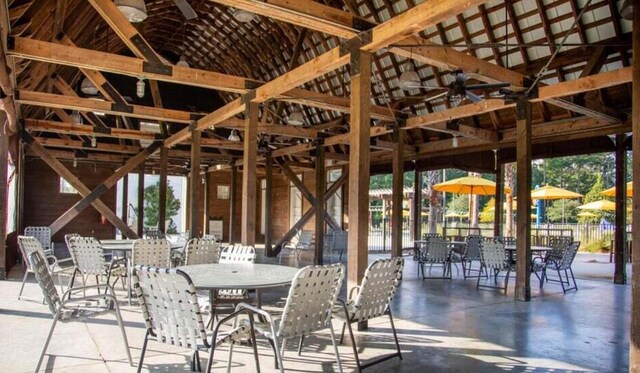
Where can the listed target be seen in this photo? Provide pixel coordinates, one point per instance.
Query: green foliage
(594, 194)
(488, 211)
(152, 206)
(598, 246)
(554, 211)
(459, 203)
(575, 173)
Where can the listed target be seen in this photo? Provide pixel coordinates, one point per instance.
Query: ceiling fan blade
(472, 97)
(437, 96)
(186, 9)
(487, 86)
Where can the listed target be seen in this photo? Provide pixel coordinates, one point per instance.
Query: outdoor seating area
(319, 186)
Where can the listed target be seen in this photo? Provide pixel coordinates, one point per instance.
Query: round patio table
(218, 276)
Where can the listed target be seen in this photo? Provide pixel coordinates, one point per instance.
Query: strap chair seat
(492, 262)
(437, 252)
(560, 265)
(28, 245)
(89, 260)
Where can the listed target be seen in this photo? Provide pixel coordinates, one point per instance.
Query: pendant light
(183, 61)
(134, 10)
(234, 136)
(296, 118)
(88, 88)
(243, 16)
(140, 88)
(409, 78)
(75, 117)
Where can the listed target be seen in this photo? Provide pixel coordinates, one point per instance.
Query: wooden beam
(232, 204)
(86, 104)
(140, 225)
(523, 236)
(268, 216)
(585, 84)
(39, 50)
(72, 179)
(499, 207)
(417, 206)
(194, 182)
(398, 192)
(125, 198)
(4, 163)
(357, 255)
(634, 340)
(162, 195)
(101, 189)
(76, 144)
(249, 200)
(85, 130)
(321, 186)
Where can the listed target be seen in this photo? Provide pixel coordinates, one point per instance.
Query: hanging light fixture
(626, 11)
(183, 61)
(140, 88)
(75, 117)
(409, 78)
(243, 16)
(134, 10)
(296, 118)
(88, 88)
(234, 136)
(454, 143)
(94, 142)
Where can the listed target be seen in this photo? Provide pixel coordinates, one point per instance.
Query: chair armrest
(254, 309)
(116, 261)
(106, 287)
(356, 289)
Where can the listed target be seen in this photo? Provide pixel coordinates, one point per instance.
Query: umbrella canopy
(552, 192)
(612, 191)
(469, 185)
(457, 215)
(587, 214)
(602, 205)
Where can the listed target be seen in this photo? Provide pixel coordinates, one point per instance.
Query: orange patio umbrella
(469, 185)
(611, 192)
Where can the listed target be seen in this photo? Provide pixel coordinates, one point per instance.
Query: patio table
(539, 250)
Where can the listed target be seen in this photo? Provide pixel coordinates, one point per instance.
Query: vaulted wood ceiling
(507, 41)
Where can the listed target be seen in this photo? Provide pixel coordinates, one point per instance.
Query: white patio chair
(201, 251)
(61, 309)
(88, 258)
(27, 245)
(42, 234)
(231, 254)
(437, 252)
(471, 254)
(311, 299)
(373, 299)
(492, 259)
(155, 253)
(340, 242)
(172, 315)
(303, 240)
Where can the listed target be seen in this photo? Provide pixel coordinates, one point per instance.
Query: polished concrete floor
(443, 326)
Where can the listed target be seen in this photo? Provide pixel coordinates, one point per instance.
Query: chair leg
(335, 348)
(46, 342)
(353, 345)
(575, 284)
(142, 352)
(121, 325)
(561, 281)
(506, 280)
(276, 349)
(344, 326)
(24, 279)
(395, 335)
(300, 345)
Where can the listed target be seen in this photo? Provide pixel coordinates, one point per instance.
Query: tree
(152, 206)
(555, 210)
(594, 194)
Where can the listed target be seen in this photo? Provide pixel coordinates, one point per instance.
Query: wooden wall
(43, 203)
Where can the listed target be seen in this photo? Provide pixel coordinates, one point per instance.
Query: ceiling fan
(186, 9)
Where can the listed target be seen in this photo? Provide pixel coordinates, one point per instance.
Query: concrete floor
(442, 326)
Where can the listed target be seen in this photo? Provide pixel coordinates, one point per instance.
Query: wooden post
(232, 203)
(125, 198)
(417, 205)
(162, 196)
(141, 200)
(267, 206)
(634, 345)
(321, 186)
(397, 195)
(620, 271)
(359, 163)
(4, 160)
(248, 224)
(194, 181)
(523, 243)
(205, 201)
(497, 220)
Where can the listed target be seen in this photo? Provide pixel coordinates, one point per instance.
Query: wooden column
(359, 162)
(248, 223)
(497, 221)
(4, 160)
(205, 201)
(417, 205)
(634, 345)
(267, 206)
(232, 204)
(162, 195)
(125, 198)
(194, 182)
(141, 200)
(620, 238)
(397, 195)
(523, 242)
(321, 186)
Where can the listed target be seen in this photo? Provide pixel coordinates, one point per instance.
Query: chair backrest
(559, 245)
(39, 265)
(306, 238)
(156, 253)
(473, 246)
(505, 240)
(340, 240)
(238, 254)
(427, 236)
(437, 250)
(210, 236)
(27, 245)
(379, 285)
(312, 295)
(569, 255)
(87, 255)
(42, 234)
(201, 251)
(68, 236)
(153, 234)
(492, 255)
(169, 306)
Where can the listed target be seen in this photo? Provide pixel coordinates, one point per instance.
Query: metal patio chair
(27, 245)
(231, 254)
(89, 260)
(201, 251)
(303, 240)
(437, 252)
(373, 299)
(471, 254)
(340, 242)
(42, 234)
(308, 309)
(155, 253)
(61, 307)
(492, 262)
(172, 315)
(560, 265)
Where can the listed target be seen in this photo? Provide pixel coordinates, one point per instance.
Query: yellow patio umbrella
(602, 205)
(611, 192)
(587, 214)
(469, 185)
(456, 215)
(552, 192)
